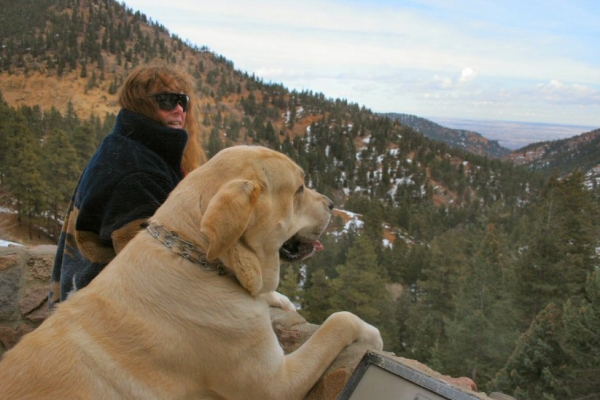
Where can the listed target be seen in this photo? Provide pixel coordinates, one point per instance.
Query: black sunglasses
(168, 101)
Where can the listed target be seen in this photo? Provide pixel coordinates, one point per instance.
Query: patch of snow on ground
(354, 220)
(5, 243)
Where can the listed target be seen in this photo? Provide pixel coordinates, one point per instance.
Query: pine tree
(395, 261)
(84, 141)
(432, 302)
(560, 246)
(373, 223)
(315, 299)
(60, 173)
(214, 142)
(289, 282)
(6, 120)
(558, 357)
(581, 340)
(537, 368)
(482, 332)
(361, 289)
(24, 178)
(71, 120)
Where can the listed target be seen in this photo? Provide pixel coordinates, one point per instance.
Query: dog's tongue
(317, 245)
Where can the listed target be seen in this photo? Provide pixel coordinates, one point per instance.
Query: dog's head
(248, 207)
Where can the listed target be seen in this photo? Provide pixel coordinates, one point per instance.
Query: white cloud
(558, 92)
(447, 83)
(444, 82)
(486, 58)
(467, 74)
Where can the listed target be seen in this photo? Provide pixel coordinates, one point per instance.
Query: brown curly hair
(158, 76)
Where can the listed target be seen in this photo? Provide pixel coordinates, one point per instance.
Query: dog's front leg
(303, 368)
(276, 299)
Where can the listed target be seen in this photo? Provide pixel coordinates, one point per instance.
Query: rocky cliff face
(24, 283)
(25, 275)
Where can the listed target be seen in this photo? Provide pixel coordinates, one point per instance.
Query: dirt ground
(12, 231)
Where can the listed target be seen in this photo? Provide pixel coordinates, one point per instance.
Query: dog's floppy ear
(227, 215)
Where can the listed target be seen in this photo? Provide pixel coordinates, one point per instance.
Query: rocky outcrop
(24, 282)
(25, 276)
(293, 330)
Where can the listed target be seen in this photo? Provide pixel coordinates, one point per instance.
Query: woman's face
(174, 118)
(172, 108)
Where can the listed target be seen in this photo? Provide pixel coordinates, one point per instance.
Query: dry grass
(38, 89)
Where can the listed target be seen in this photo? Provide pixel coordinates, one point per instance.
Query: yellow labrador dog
(183, 311)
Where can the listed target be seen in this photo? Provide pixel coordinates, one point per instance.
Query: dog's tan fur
(153, 325)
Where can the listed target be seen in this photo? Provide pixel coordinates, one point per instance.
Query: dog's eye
(300, 190)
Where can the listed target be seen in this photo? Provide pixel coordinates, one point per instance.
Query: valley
(512, 134)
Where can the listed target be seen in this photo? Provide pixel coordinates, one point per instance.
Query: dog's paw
(360, 331)
(276, 299)
(371, 336)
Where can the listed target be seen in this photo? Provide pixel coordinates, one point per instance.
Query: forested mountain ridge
(470, 141)
(68, 57)
(78, 52)
(482, 247)
(579, 152)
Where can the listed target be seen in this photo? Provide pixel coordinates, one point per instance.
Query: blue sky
(526, 60)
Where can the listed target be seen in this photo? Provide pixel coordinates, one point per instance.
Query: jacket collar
(168, 142)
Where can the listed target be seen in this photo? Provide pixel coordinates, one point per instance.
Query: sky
(500, 60)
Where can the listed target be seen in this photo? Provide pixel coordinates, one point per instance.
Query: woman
(152, 146)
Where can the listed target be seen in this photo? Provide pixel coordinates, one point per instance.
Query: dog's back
(37, 369)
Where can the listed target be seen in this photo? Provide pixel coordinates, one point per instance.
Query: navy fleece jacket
(131, 174)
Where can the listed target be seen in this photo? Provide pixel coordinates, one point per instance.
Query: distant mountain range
(563, 156)
(470, 141)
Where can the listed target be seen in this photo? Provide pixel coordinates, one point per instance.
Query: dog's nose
(330, 203)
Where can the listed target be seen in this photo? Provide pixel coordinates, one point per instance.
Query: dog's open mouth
(296, 250)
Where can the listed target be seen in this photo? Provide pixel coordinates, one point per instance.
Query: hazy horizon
(514, 134)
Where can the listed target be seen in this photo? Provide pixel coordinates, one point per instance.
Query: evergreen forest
(469, 264)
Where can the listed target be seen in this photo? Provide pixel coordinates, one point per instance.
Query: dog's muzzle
(297, 250)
